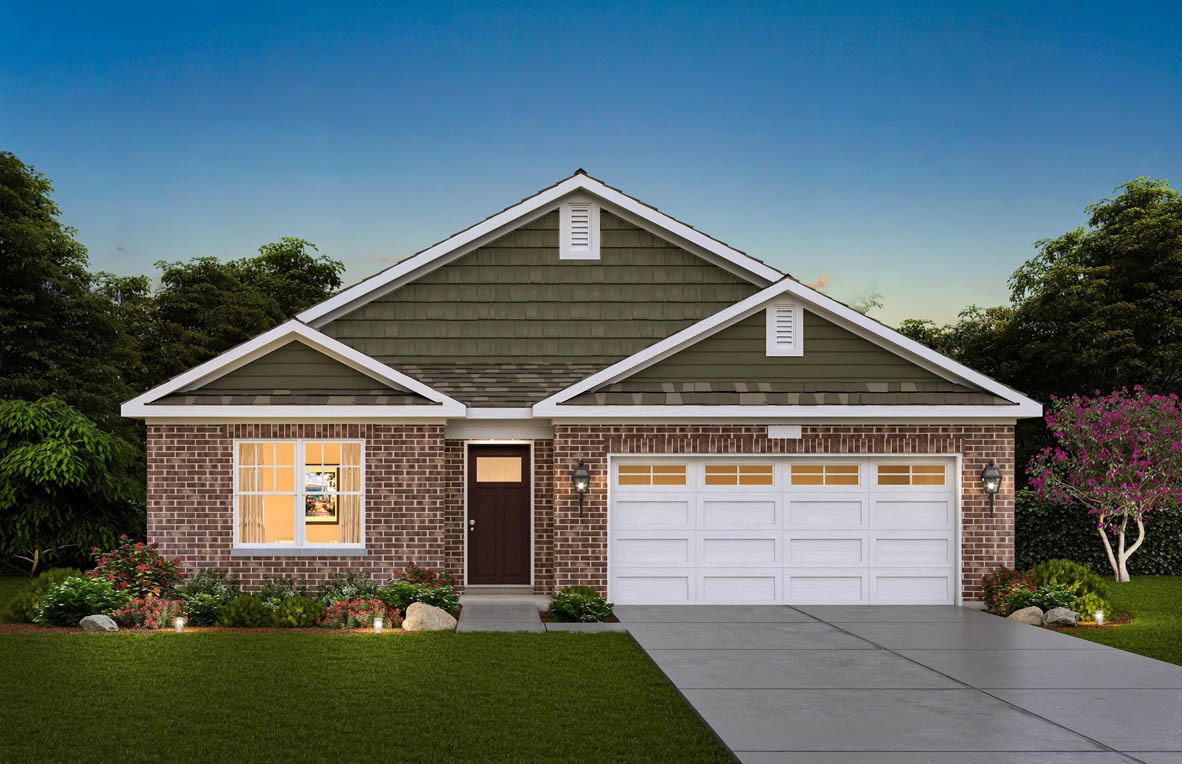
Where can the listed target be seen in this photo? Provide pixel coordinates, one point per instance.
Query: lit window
(738, 474)
(824, 474)
(911, 474)
(320, 506)
(651, 474)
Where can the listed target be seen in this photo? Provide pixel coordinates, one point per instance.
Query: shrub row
(1044, 531)
(1048, 585)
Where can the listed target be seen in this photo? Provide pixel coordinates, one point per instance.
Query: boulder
(98, 623)
(1031, 615)
(423, 617)
(1060, 616)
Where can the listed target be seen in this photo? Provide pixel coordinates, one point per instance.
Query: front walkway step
(516, 591)
(490, 612)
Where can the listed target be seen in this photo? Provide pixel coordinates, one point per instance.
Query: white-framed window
(912, 474)
(739, 474)
(785, 329)
(651, 475)
(299, 493)
(823, 474)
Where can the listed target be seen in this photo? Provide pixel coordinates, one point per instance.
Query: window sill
(304, 551)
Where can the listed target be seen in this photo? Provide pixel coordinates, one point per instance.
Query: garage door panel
(826, 586)
(805, 511)
(654, 549)
(911, 586)
(654, 512)
(911, 513)
(739, 510)
(745, 586)
(910, 548)
(739, 548)
(813, 548)
(654, 586)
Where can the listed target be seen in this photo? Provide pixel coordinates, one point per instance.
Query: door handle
(471, 525)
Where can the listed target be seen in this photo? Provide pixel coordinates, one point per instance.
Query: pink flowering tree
(1119, 456)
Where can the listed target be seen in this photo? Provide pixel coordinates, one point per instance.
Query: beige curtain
(350, 506)
(250, 508)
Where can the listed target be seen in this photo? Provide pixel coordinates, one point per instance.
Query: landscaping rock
(98, 623)
(1060, 616)
(422, 617)
(1031, 615)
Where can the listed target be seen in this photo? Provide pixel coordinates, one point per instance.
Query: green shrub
(299, 613)
(584, 591)
(1045, 597)
(399, 595)
(22, 608)
(246, 612)
(419, 575)
(1073, 575)
(1045, 531)
(1000, 584)
(206, 593)
(578, 607)
(75, 598)
(279, 590)
(1088, 604)
(351, 586)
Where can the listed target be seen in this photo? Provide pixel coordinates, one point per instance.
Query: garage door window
(911, 474)
(824, 474)
(651, 474)
(739, 474)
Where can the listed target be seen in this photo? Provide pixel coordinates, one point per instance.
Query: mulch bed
(545, 616)
(1110, 622)
(32, 628)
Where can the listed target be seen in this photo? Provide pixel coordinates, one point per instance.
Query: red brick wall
(580, 545)
(543, 516)
(190, 487)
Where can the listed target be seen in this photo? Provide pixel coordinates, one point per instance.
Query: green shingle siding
(513, 300)
(738, 353)
(295, 366)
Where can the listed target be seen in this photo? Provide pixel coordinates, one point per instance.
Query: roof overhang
(142, 407)
(613, 200)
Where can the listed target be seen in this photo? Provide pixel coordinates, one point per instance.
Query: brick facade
(580, 544)
(415, 491)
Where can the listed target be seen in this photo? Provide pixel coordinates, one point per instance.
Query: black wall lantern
(991, 482)
(580, 477)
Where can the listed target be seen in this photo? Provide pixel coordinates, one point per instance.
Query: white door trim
(532, 493)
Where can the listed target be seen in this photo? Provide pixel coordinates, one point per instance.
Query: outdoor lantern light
(179, 624)
(1099, 617)
(991, 482)
(581, 478)
(377, 625)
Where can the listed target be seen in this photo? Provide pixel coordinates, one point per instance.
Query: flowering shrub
(206, 593)
(1044, 597)
(400, 594)
(149, 613)
(579, 604)
(354, 586)
(1000, 584)
(1119, 456)
(359, 614)
(75, 598)
(138, 569)
(416, 575)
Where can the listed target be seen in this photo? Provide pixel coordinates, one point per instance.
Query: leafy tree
(292, 276)
(1117, 455)
(57, 335)
(64, 483)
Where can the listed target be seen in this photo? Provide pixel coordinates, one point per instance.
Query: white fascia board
(295, 413)
(503, 221)
(259, 346)
(495, 413)
(559, 412)
(814, 300)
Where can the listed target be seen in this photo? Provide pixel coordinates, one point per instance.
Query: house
(744, 438)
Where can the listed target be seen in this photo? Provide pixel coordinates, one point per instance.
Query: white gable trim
(827, 308)
(519, 214)
(263, 344)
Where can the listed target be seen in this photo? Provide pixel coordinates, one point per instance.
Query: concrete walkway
(897, 685)
(499, 612)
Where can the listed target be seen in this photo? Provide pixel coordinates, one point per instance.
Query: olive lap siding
(295, 366)
(739, 354)
(514, 300)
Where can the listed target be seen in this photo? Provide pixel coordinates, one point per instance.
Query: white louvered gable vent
(785, 329)
(579, 231)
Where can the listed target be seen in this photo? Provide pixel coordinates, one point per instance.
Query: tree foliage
(1119, 456)
(64, 483)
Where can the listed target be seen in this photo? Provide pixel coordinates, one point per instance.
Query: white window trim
(774, 348)
(565, 250)
(299, 547)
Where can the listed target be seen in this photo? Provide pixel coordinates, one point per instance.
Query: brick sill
(298, 552)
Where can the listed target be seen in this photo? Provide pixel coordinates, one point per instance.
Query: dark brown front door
(498, 515)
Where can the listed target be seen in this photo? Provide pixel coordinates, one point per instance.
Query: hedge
(1044, 531)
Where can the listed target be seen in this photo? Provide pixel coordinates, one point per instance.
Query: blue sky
(917, 148)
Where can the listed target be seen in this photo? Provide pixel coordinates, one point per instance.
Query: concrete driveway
(903, 685)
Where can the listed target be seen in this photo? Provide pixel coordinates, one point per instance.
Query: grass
(441, 697)
(1156, 630)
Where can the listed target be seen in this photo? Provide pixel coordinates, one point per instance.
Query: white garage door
(791, 530)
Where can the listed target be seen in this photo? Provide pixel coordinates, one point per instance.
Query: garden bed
(547, 618)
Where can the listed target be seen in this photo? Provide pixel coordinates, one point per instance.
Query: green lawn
(1156, 630)
(443, 697)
